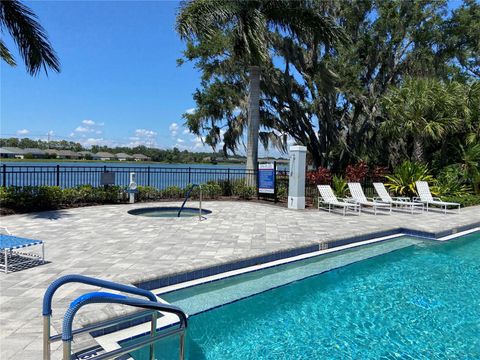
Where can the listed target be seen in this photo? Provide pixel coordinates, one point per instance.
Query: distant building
(103, 156)
(12, 153)
(123, 157)
(35, 153)
(85, 154)
(68, 154)
(140, 157)
(51, 152)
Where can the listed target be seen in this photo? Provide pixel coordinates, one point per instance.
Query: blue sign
(266, 179)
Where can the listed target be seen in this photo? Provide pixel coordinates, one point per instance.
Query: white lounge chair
(396, 201)
(425, 196)
(359, 197)
(327, 197)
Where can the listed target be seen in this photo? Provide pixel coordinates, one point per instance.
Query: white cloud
(145, 133)
(72, 134)
(98, 132)
(190, 111)
(198, 142)
(97, 141)
(82, 129)
(186, 131)
(143, 137)
(101, 123)
(173, 129)
(23, 132)
(88, 122)
(179, 141)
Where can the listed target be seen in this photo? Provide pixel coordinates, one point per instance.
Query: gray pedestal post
(296, 181)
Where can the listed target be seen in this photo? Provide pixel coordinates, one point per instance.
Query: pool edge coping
(348, 243)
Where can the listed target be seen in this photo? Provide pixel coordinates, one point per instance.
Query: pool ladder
(104, 297)
(187, 196)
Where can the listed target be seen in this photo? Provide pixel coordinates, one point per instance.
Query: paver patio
(107, 242)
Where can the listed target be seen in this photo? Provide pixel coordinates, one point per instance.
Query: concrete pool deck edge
(173, 279)
(201, 276)
(111, 338)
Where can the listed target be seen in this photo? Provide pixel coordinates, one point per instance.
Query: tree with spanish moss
(238, 34)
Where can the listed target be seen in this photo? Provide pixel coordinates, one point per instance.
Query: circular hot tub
(168, 212)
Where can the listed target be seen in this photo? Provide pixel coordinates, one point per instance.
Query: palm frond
(6, 55)
(29, 36)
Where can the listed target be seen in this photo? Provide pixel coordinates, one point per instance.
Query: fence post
(148, 176)
(189, 175)
(228, 176)
(58, 175)
(4, 176)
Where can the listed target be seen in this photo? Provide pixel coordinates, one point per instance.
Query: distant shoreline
(7, 160)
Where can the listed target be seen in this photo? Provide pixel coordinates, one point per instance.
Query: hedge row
(16, 199)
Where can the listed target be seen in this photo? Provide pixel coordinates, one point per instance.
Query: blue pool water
(421, 301)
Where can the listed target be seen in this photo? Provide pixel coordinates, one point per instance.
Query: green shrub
(340, 186)
(244, 191)
(226, 187)
(282, 191)
(40, 198)
(148, 193)
(402, 182)
(172, 192)
(71, 196)
(466, 200)
(451, 182)
(210, 190)
(48, 197)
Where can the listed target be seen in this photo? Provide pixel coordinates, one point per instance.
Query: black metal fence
(154, 176)
(158, 177)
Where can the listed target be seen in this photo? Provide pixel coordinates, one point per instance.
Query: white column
(296, 181)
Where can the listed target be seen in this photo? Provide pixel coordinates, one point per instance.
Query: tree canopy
(330, 96)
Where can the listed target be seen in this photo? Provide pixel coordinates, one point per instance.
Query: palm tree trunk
(418, 150)
(253, 123)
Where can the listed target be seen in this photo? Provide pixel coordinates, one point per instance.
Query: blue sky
(119, 85)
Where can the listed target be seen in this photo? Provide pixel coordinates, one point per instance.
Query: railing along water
(160, 177)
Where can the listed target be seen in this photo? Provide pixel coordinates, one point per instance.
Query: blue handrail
(186, 198)
(105, 297)
(47, 298)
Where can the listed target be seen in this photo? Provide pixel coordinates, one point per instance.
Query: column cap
(298, 148)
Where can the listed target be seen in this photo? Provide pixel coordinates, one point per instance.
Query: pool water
(168, 212)
(418, 302)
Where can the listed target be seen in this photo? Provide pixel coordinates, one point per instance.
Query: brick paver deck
(107, 242)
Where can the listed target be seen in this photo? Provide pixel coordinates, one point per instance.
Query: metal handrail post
(46, 337)
(153, 331)
(182, 345)
(200, 205)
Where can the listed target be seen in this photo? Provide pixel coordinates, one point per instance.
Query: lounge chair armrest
(416, 199)
(401, 198)
(350, 200)
(437, 199)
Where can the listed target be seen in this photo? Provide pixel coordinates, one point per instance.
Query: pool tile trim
(215, 273)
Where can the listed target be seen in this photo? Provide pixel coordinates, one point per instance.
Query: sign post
(267, 186)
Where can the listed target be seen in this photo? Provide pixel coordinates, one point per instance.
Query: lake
(71, 174)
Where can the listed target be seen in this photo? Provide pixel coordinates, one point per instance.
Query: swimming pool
(419, 301)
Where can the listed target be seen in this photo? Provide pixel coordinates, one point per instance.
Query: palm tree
(247, 24)
(423, 110)
(29, 36)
